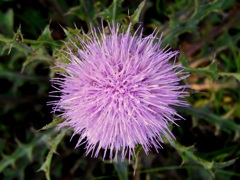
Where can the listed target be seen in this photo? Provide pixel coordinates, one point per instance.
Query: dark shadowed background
(207, 34)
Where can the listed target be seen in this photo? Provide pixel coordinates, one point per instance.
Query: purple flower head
(119, 91)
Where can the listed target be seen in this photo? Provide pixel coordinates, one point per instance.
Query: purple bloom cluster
(119, 91)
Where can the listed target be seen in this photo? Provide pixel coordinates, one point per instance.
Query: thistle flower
(119, 91)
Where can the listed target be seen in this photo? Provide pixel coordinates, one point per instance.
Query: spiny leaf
(46, 35)
(54, 123)
(44, 39)
(137, 150)
(235, 75)
(39, 55)
(210, 70)
(188, 155)
(183, 60)
(86, 11)
(54, 144)
(16, 37)
(72, 33)
(203, 9)
(27, 149)
(23, 150)
(136, 15)
(226, 125)
(15, 42)
(77, 11)
(7, 161)
(193, 14)
(113, 12)
(224, 164)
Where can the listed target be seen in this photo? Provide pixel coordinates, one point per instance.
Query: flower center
(119, 87)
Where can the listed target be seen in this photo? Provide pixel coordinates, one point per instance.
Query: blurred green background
(207, 34)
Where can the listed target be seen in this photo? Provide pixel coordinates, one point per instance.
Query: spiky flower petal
(119, 91)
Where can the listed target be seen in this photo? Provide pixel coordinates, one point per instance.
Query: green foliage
(113, 12)
(210, 70)
(122, 169)
(187, 19)
(207, 167)
(208, 36)
(86, 11)
(6, 27)
(25, 153)
(136, 15)
(54, 142)
(53, 124)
